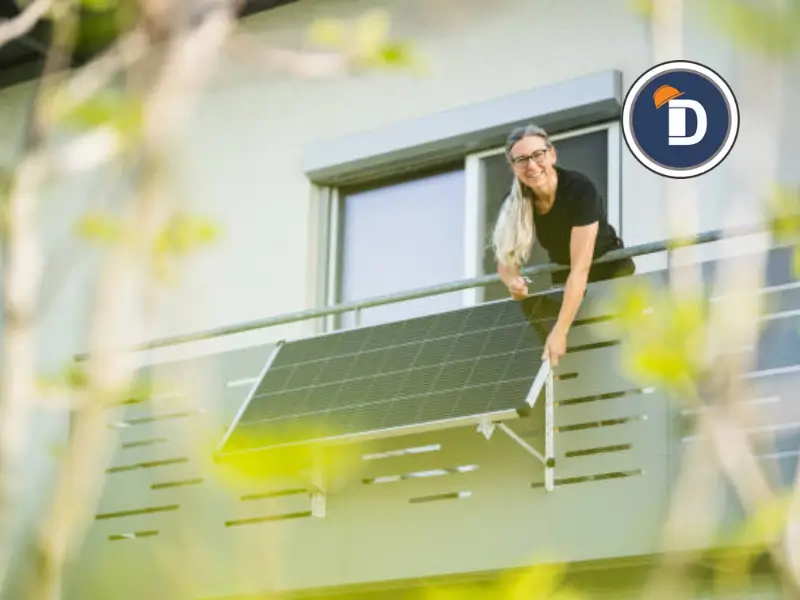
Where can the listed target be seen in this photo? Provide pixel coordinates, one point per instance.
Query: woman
(563, 209)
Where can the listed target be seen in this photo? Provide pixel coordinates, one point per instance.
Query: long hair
(514, 233)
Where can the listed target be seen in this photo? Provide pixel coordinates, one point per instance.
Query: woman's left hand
(555, 347)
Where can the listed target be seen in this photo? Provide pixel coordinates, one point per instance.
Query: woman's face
(533, 161)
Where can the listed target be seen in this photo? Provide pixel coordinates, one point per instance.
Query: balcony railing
(666, 245)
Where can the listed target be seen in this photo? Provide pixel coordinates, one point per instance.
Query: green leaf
(784, 212)
(75, 376)
(763, 527)
(184, 233)
(107, 108)
(663, 336)
(367, 40)
(784, 208)
(397, 54)
(771, 30)
(99, 5)
(99, 227)
(56, 451)
(330, 33)
(371, 32)
(796, 260)
(643, 8)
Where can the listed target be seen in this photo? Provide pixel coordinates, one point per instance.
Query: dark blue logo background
(651, 129)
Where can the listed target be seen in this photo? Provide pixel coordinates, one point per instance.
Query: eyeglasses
(537, 156)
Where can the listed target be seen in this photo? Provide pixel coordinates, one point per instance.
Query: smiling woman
(564, 211)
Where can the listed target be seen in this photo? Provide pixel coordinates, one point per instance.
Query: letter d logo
(677, 122)
(680, 119)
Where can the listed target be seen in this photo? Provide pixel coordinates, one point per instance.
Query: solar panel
(442, 370)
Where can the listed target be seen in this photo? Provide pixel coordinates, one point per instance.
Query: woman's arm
(513, 281)
(581, 245)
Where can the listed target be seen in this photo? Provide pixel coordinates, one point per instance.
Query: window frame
(331, 199)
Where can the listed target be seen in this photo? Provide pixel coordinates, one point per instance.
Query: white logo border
(644, 79)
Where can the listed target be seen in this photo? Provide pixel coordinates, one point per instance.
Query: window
(399, 236)
(594, 151)
(432, 228)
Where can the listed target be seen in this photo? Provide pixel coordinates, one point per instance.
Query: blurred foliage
(101, 22)
(679, 242)
(367, 40)
(6, 181)
(6, 184)
(763, 527)
(664, 335)
(100, 5)
(57, 451)
(99, 227)
(107, 108)
(545, 582)
(74, 379)
(643, 8)
(182, 234)
(339, 462)
(784, 212)
(771, 28)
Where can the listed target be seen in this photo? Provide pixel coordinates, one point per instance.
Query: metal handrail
(445, 288)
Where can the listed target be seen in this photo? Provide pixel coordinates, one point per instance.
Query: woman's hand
(517, 287)
(516, 284)
(555, 347)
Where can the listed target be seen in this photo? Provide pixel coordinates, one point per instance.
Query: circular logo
(680, 119)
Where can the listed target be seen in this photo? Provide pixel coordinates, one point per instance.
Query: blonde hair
(514, 232)
(514, 235)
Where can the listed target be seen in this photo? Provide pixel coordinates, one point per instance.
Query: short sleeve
(586, 205)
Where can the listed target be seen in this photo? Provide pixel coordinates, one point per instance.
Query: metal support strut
(318, 486)
(544, 378)
(528, 448)
(549, 433)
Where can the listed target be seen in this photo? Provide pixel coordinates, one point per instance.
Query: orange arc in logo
(664, 94)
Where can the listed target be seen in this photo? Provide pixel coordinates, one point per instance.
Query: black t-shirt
(577, 203)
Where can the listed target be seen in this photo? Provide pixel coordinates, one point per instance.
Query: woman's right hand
(517, 287)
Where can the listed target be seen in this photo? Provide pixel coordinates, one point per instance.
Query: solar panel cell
(477, 398)
(420, 381)
(451, 323)
(511, 389)
(436, 351)
(468, 345)
(520, 364)
(383, 336)
(278, 377)
(401, 358)
(370, 363)
(488, 369)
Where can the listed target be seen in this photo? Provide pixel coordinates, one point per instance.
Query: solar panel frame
(267, 364)
(416, 337)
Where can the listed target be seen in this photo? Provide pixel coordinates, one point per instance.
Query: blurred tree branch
(22, 279)
(121, 104)
(702, 350)
(24, 22)
(117, 321)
